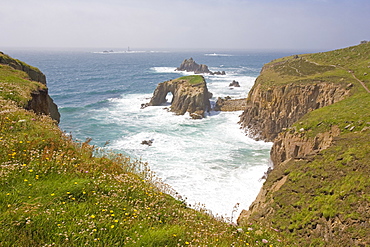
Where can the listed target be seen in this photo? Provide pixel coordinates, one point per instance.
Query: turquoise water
(209, 161)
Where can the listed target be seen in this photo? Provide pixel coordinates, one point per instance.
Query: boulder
(234, 84)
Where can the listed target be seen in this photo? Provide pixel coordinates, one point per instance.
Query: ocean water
(209, 162)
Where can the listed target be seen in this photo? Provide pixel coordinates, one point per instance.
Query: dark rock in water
(234, 84)
(143, 106)
(147, 142)
(218, 73)
(189, 65)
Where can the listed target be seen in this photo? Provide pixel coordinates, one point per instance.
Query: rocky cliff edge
(315, 108)
(40, 102)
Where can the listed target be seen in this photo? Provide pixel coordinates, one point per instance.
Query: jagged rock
(270, 110)
(187, 97)
(234, 84)
(228, 104)
(189, 65)
(218, 73)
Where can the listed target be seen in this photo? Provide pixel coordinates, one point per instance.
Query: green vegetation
(334, 66)
(325, 200)
(54, 191)
(193, 79)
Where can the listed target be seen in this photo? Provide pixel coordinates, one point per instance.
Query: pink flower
(265, 241)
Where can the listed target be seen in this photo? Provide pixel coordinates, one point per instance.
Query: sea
(210, 162)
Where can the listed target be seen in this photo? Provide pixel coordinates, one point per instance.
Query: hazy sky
(185, 24)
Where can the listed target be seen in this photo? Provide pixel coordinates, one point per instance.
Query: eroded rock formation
(270, 110)
(41, 102)
(229, 104)
(190, 94)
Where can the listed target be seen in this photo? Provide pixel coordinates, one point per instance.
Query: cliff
(315, 108)
(271, 108)
(190, 94)
(38, 99)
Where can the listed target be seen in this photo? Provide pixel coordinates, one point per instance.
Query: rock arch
(187, 96)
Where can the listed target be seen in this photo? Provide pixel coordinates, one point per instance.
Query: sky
(185, 24)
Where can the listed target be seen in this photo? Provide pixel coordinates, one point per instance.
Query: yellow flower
(92, 216)
(187, 242)
(25, 180)
(52, 194)
(116, 221)
(112, 226)
(30, 170)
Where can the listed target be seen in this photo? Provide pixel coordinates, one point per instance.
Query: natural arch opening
(169, 98)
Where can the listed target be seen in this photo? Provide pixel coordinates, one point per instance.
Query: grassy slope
(330, 189)
(54, 191)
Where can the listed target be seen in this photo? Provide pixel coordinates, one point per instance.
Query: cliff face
(41, 102)
(270, 110)
(315, 108)
(190, 94)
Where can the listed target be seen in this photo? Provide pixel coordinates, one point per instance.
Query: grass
(325, 200)
(55, 191)
(332, 66)
(193, 79)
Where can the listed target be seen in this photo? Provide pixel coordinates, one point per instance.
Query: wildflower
(92, 216)
(52, 194)
(30, 170)
(76, 183)
(25, 180)
(116, 221)
(187, 242)
(265, 241)
(8, 194)
(112, 226)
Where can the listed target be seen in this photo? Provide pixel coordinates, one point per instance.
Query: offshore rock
(234, 84)
(41, 102)
(190, 94)
(189, 65)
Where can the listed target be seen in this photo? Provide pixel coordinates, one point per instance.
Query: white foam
(206, 160)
